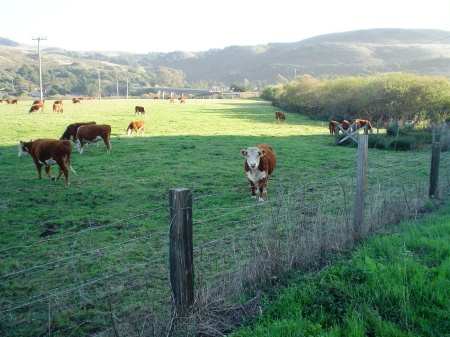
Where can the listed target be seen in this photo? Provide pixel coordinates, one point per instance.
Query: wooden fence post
(434, 172)
(361, 172)
(181, 249)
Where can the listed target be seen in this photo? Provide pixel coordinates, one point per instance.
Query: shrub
(401, 144)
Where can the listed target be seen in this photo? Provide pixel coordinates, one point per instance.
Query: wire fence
(123, 289)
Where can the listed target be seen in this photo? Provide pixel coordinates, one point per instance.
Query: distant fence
(189, 278)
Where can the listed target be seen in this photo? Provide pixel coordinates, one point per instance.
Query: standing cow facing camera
(259, 165)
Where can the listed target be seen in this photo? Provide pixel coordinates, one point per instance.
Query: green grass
(396, 284)
(109, 250)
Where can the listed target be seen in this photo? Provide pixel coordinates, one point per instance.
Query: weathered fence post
(361, 171)
(434, 172)
(336, 135)
(181, 249)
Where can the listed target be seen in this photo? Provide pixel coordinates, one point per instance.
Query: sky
(142, 26)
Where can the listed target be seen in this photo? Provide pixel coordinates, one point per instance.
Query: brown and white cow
(47, 152)
(76, 100)
(280, 116)
(93, 133)
(71, 130)
(8, 101)
(36, 108)
(259, 164)
(58, 108)
(15, 101)
(332, 127)
(135, 126)
(139, 110)
(360, 123)
(345, 124)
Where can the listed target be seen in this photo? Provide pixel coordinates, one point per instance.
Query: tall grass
(92, 258)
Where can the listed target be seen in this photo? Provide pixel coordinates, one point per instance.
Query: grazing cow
(332, 126)
(9, 101)
(156, 97)
(14, 101)
(139, 110)
(76, 101)
(345, 124)
(360, 123)
(182, 100)
(58, 108)
(36, 108)
(280, 116)
(71, 131)
(93, 133)
(47, 152)
(260, 163)
(135, 126)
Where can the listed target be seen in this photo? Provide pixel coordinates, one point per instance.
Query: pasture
(92, 259)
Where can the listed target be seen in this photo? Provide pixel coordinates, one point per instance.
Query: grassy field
(396, 284)
(92, 258)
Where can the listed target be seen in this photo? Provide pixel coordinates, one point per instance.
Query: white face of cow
(23, 151)
(253, 154)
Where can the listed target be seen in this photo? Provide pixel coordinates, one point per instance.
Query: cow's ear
(244, 153)
(262, 152)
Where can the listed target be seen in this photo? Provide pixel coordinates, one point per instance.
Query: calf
(71, 130)
(139, 110)
(280, 116)
(135, 126)
(260, 163)
(332, 126)
(36, 108)
(93, 133)
(47, 152)
(58, 108)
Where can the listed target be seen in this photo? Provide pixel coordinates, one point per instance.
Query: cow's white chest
(256, 175)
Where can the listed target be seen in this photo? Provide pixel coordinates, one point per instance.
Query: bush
(401, 144)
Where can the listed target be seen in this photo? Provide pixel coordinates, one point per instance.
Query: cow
(139, 110)
(182, 100)
(8, 101)
(47, 152)
(59, 101)
(14, 101)
(71, 130)
(76, 101)
(171, 100)
(360, 123)
(345, 124)
(58, 108)
(280, 116)
(135, 126)
(36, 108)
(332, 127)
(259, 164)
(93, 133)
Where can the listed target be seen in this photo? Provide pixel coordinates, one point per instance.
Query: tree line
(381, 97)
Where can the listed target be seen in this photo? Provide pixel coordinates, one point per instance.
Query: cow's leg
(262, 189)
(63, 169)
(47, 170)
(252, 185)
(39, 169)
(108, 145)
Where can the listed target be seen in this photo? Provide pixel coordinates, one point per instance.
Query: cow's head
(253, 154)
(23, 149)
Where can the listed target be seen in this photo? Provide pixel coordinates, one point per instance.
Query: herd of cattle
(345, 125)
(48, 152)
(260, 161)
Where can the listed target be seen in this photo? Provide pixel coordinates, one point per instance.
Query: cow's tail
(68, 159)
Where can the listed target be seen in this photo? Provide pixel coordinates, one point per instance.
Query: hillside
(361, 52)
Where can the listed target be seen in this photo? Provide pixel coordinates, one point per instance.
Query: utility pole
(99, 88)
(40, 65)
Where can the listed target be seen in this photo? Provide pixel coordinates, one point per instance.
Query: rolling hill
(362, 52)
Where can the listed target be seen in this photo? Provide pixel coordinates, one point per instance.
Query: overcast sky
(141, 26)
